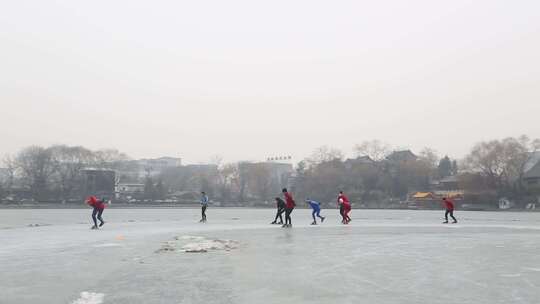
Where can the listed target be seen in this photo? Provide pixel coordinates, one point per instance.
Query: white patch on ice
(206, 245)
(89, 298)
(515, 275)
(38, 225)
(107, 245)
(196, 244)
(533, 269)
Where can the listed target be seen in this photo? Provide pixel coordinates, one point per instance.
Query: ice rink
(51, 256)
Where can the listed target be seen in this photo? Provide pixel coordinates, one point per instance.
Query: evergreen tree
(160, 191)
(149, 189)
(445, 167)
(2, 193)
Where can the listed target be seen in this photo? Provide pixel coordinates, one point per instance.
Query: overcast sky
(251, 79)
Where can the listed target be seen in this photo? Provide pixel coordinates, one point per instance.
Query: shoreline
(195, 206)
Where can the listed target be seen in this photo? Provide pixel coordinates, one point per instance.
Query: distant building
(532, 177)
(534, 158)
(135, 170)
(279, 172)
(402, 156)
(128, 189)
(359, 161)
(154, 166)
(448, 183)
(432, 199)
(202, 168)
(160, 163)
(531, 172)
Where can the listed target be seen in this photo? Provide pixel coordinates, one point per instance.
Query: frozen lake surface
(381, 257)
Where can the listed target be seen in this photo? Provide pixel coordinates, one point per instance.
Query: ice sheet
(381, 257)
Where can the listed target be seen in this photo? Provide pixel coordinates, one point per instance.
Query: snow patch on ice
(206, 245)
(196, 244)
(38, 225)
(533, 269)
(514, 275)
(89, 298)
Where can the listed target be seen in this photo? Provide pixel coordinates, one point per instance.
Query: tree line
(54, 173)
(378, 175)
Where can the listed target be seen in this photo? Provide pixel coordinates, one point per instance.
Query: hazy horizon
(248, 80)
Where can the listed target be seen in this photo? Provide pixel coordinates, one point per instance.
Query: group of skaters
(287, 206)
(284, 205)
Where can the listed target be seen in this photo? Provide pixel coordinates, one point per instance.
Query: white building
(128, 189)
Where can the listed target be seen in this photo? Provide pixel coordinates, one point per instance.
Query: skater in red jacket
(344, 207)
(98, 207)
(449, 206)
(289, 206)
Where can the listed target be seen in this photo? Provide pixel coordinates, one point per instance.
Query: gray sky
(248, 79)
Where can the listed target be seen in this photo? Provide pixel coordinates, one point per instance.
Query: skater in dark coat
(280, 205)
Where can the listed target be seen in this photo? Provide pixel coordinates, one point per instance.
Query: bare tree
(375, 149)
(36, 167)
(68, 163)
(243, 178)
(110, 158)
(260, 180)
(228, 181)
(502, 162)
(11, 168)
(429, 156)
(324, 154)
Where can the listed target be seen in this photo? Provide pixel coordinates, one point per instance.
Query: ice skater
(344, 207)
(289, 207)
(98, 207)
(449, 206)
(280, 205)
(204, 205)
(316, 206)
